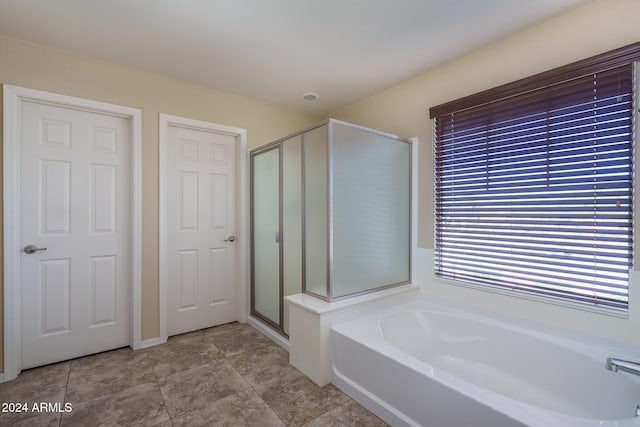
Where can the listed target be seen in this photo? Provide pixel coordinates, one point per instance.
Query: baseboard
(150, 343)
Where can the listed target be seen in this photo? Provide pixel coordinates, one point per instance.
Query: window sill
(620, 314)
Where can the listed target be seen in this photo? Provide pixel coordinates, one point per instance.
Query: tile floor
(230, 375)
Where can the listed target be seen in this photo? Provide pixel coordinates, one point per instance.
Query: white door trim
(165, 121)
(13, 96)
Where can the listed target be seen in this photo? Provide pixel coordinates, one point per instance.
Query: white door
(201, 227)
(74, 208)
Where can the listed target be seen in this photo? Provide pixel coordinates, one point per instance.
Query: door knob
(230, 239)
(31, 249)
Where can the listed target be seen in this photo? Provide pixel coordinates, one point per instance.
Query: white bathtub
(420, 363)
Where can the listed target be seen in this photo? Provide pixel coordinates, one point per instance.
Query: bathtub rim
(506, 405)
(509, 321)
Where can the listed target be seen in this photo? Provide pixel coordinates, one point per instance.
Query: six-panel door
(201, 227)
(74, 207)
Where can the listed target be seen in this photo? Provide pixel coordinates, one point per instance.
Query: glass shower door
(265, 223)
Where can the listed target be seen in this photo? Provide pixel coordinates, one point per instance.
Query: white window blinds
(533, 192)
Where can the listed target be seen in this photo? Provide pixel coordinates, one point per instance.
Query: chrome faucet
(624, 365)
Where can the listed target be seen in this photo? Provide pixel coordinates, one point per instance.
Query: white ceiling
(275, 50)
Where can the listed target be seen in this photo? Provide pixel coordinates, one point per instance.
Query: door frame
(165, 121)
(12, 98)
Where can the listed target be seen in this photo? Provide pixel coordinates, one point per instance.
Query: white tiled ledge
(317, 306)
(310, 324)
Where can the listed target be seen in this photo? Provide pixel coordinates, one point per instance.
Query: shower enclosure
(330, 216)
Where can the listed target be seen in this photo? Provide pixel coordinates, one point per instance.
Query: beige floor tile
(38, 384)
(299, 401)
(139, 405)
(265, 365)
(181, 353)
(107, 373)
(238, 340)
(31, 419)
(244, 408)
(188, 336)
(349, 414)
(196, 388)
(223, 329)
(107, 359)
(33, 386)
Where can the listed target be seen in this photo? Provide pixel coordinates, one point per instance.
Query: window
(533, 183)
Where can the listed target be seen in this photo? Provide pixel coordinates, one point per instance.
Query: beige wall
(37, 67)
(403, 110)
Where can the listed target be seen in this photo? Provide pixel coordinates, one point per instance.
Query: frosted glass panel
(266, 225)
(315, 163)
(371, 206)
(291, 220)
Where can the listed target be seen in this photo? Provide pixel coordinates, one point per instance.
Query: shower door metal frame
(277, 145)
(277, 326)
